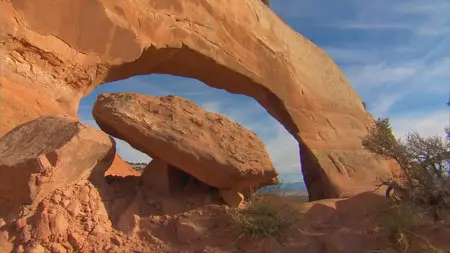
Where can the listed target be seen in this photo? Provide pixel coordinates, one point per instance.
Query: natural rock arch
(58, 51)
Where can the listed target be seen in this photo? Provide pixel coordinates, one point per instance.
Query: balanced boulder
(206, 145)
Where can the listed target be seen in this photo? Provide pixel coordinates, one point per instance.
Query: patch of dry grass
(399, 224)
(265, 216)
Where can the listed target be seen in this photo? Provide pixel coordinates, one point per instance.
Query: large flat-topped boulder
(58, 51)
(206, 145)
(49, 152)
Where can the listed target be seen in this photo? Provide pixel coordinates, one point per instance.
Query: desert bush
(398, 224)
(265, 216)
(423, 161)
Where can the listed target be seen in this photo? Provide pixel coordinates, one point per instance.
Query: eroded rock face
(206, 145)
(47, 153)
(48, 66)
(70, 219)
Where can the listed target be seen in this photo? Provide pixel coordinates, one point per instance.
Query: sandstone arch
(57, 51)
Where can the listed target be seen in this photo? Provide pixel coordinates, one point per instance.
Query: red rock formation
(45, 154)
(119, 168)
(206, 145)
(57, 51)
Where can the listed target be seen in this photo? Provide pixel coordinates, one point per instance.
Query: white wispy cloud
(422, 18)
(377, 75)
(426, 124)
(421, 7)
(368, 26)
(353, 55)
(384, 85)
(383, 103)
(129, 153)
(432, 17)
(441, 67)
(283, 150)
(211, 106)
(373, 75)
(387, 67)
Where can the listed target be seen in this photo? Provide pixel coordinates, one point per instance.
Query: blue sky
(395, 53)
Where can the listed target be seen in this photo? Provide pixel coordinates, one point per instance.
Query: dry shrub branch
(265, 216)
(422, 188)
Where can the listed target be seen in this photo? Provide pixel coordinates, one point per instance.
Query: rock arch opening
(219, 44)
(282, 147)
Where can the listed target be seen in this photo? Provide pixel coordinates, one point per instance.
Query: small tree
(423, 161)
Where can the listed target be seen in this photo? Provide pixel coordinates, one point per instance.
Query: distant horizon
(286, 185)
